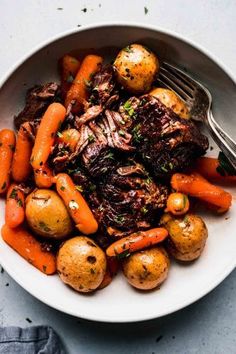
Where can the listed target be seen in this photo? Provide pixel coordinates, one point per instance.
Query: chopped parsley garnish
(225, 168)
(164, 169)
(145, 10)
(62, 188)
(13, 194)
(59, 135)
(119, 219)
(110, 155)
(148, 180)
(144, 210)
(20, 203)
(100, 208)
(136, 133)
(91, 138)
(128, 108)
(79, 188)
(128, 49)
(123, 255)
(121, 132)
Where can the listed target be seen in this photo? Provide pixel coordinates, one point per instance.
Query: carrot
(106, 280)
(76, 204)
(29, 248)
(111, 271)
(197, 186)
(21, 167)
(137, 241)
(43, 177)
(78, 91)
(69, 137)
(208, 168)
(68, 68)
(14, 209)
(7, 145)
(46, 134)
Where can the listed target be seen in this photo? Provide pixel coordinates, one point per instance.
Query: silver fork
(199, 102)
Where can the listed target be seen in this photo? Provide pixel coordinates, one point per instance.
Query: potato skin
(47, 215)
(81, 264)
(135, 68)
(172, 101)
(187, 236)
(147, 269)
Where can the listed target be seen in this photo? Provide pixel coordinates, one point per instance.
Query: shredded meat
(38, 99)
(103, 85)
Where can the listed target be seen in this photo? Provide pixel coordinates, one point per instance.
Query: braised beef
(165, 142)
(102, 85)
(129, 199)
(38, 99)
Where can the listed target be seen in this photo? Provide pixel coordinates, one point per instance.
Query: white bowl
(185, 284)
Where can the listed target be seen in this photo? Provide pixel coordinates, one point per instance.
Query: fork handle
(224, 135)
(224, 144)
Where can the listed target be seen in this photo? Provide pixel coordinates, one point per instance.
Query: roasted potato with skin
(81, 264)
(47, 215)
(146, 269)
(172, 101)
(187, 236)
(136, 68)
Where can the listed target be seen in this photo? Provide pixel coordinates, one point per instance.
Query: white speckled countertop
(206, 327)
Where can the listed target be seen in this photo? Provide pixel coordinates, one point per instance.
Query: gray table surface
(207, 326)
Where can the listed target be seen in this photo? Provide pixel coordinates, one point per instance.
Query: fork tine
(166, 85)
(178, 81)
(184, 76)
(174, 87)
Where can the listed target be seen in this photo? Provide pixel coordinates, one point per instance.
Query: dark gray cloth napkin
(30, 340)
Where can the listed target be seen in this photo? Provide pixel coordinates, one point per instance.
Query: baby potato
(187, 236)
(81, 264)
(172, 101)
(146, 269)
(136, 67)
(47, 215)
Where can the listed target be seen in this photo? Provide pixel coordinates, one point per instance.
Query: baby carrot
(78, 91)
(29, 248)
(43, 177)
(76, 204)
(197, 186)
(137, 241)
(14, 209)
(208, 167)
(21, 167)
(69, 137)
(68, 67)
(111, 271)
(7, 145)
(46, 134)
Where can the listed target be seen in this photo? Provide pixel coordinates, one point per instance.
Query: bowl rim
(144, 26)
